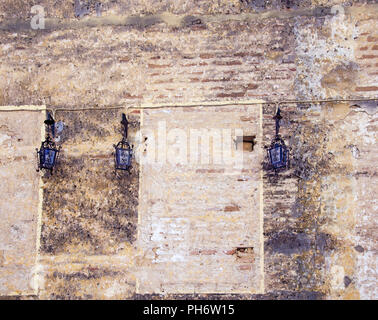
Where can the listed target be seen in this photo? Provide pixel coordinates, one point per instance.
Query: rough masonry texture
(89, 235)
(200, 216)
(19, 206)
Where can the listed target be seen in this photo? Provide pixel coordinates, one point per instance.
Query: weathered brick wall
(200, 218)
(65, 9)
(318, 231)
(89, 212)
(122, 66)
(219, 59)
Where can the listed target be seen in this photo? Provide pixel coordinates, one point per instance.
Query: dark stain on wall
(288, 242)
(292, 210)
(85, 203)
(276, 295)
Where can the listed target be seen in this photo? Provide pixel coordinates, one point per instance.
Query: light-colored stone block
(200, 224)
(20, 134)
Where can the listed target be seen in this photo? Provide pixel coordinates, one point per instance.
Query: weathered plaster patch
(20, 131)
(189, 242)
(322, 47)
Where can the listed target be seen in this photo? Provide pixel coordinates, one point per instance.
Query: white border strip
(23, 108)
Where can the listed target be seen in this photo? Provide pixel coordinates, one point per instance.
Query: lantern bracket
(278, 118)
(125, 124)
(50, 122)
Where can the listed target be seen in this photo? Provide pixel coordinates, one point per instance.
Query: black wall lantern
(278, 153)
(48, 153)
(123, 150)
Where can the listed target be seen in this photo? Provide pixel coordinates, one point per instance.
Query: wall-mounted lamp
(278, 153)
(123, 150)
(48, 153)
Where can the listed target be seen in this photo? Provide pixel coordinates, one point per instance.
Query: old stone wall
(318, 217)
(89, 211)
(20, 134)
(223, 58)
(200, 214)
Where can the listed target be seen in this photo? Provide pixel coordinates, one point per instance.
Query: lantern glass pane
(276, 155)
(123, 157)
(49, 156)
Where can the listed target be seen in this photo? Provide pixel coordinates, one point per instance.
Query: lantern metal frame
(48, 153)
(278, 152)
(123, 150)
